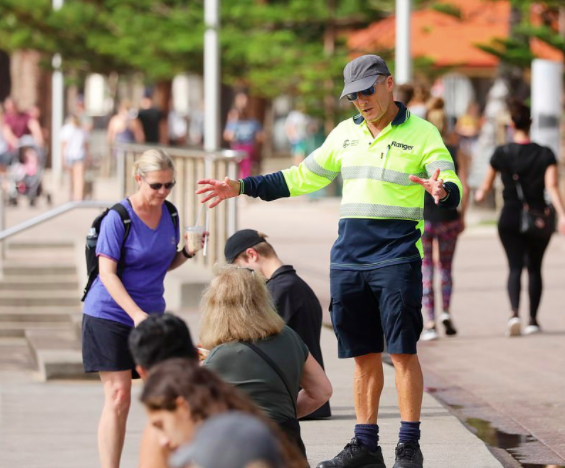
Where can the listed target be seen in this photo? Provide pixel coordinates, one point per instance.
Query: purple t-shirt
(148, 254)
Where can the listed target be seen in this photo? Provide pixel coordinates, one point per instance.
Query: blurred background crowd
(142, 80)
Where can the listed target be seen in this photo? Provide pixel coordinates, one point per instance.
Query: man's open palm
(220, 190)
(433, 185)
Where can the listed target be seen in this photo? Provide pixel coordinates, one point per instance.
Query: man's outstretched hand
(433, 185)
(220, 190)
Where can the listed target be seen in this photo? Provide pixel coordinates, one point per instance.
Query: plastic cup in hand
(194, 237)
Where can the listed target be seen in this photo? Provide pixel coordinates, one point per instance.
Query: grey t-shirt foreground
(246, 370)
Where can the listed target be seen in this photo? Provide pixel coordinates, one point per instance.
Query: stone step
(39, 299)
(69, 283)
(41, 257)
(58, 354)
(19, 268)
(38, 314)
(18, 329)
(39, 245)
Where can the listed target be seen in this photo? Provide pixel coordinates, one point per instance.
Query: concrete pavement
(510, 391)
(520, 381)
(53, 425)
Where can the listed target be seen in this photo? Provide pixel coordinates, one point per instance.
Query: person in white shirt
(74, 149)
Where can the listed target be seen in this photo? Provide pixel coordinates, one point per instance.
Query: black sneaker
(355, 455)
(408, 455)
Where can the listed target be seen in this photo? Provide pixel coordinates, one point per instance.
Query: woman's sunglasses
(366, 92)
(158, 186)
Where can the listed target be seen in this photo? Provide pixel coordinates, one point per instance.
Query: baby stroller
(26, 172)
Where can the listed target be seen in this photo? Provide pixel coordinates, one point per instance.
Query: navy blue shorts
(105, 346)
(373, 305)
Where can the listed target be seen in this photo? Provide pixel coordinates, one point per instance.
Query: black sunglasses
(366, 92)
(157, 186)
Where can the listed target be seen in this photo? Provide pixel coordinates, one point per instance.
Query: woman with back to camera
(117, 302)
(179, 396)
(254, 350)
(443, 228)
(535, 169)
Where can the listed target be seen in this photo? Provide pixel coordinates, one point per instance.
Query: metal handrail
(49, 215)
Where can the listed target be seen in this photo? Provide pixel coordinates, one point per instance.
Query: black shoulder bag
(536, 223)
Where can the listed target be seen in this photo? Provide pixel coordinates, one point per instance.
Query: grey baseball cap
(362, 72)
(229, 440)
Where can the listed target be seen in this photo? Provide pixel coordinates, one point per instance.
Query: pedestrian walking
(294, 300)
(442, 229)
(296, 129)
(128, 289)
(526, 169)
(124, 127)
(74, 149)
(152, 120)
(244, 133)
(383, 154)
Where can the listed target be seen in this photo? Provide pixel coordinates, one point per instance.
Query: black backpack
(92, 269)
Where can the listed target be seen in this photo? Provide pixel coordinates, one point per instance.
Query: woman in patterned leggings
(442, 227)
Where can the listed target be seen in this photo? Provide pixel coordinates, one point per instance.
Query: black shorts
(371, 303)
(105, 346)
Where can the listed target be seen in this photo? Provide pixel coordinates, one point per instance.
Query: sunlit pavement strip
(445, 441)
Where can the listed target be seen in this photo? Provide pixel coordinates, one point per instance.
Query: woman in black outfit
(536, 168)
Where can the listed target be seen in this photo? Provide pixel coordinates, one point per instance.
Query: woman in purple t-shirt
(115, 304)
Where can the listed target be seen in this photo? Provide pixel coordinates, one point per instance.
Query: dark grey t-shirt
(246, 370)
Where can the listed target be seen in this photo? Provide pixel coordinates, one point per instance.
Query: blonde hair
(236, 306)
(152, 160)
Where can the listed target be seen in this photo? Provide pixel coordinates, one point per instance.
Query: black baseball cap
(229, 440)
(240, 242)
(362, 72)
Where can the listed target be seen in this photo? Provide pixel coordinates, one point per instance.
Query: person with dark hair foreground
(180, 396)
(294, 300)
(528, 168)
(158, 338)
(154, 340)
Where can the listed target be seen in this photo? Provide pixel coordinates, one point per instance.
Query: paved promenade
(488, 381)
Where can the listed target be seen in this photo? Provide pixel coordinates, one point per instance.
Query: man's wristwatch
(185, 253)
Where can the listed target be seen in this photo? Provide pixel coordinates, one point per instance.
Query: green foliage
(271, 47)
(516, 50)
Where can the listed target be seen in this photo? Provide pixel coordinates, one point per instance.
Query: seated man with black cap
(294, 300)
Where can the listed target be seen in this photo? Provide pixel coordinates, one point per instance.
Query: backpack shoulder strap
(173, 212)
(124, 215)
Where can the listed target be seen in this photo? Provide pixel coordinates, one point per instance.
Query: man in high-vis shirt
(387, 158)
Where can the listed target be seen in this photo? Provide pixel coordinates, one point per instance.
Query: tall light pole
(57, 92)
(211, 76)
(547, 89)
(403, 69)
